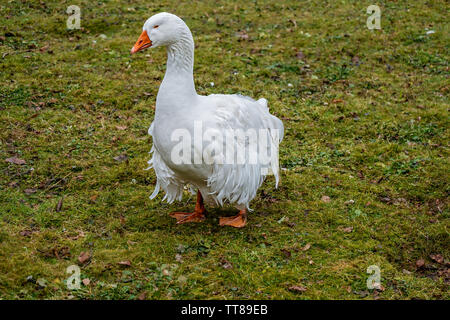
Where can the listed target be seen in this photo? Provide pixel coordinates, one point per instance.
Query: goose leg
(238, 221)
(197, 216)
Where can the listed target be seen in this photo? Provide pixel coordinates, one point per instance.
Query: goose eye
(155, 27)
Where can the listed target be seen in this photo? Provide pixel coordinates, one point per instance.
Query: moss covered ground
(365, 156)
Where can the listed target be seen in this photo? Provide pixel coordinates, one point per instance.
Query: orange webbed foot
(238, 221)
(184, 217)
(197, 216)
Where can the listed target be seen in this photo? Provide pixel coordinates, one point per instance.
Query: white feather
(178, 106)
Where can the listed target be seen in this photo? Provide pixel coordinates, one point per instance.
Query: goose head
(162, 29)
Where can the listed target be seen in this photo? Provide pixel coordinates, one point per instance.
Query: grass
(365, 154)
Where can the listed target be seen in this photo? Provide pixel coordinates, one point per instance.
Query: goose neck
(179, 76)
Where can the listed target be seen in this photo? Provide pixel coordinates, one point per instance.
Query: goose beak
(142, 43)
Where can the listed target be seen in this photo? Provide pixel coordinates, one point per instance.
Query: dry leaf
(44, 48)
(142, 295)
(15, 160)
(286, 253)
(326, 199)
(121, 158)
(59, 205)
(437, 258)
(308, 245)
(347, 229)
(26, 233)
(297, 288)
(420, 263)
(29, 191)
(380, 287)
(242, 35)
(84, 257)
(226, 264)
(126, 263)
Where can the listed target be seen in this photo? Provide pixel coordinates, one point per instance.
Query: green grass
(366, 118)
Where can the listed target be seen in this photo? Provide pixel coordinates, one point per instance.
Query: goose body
(198, 141)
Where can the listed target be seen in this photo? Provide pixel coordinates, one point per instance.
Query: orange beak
(142, 43)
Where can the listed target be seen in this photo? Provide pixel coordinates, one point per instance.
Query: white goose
(219, 167)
